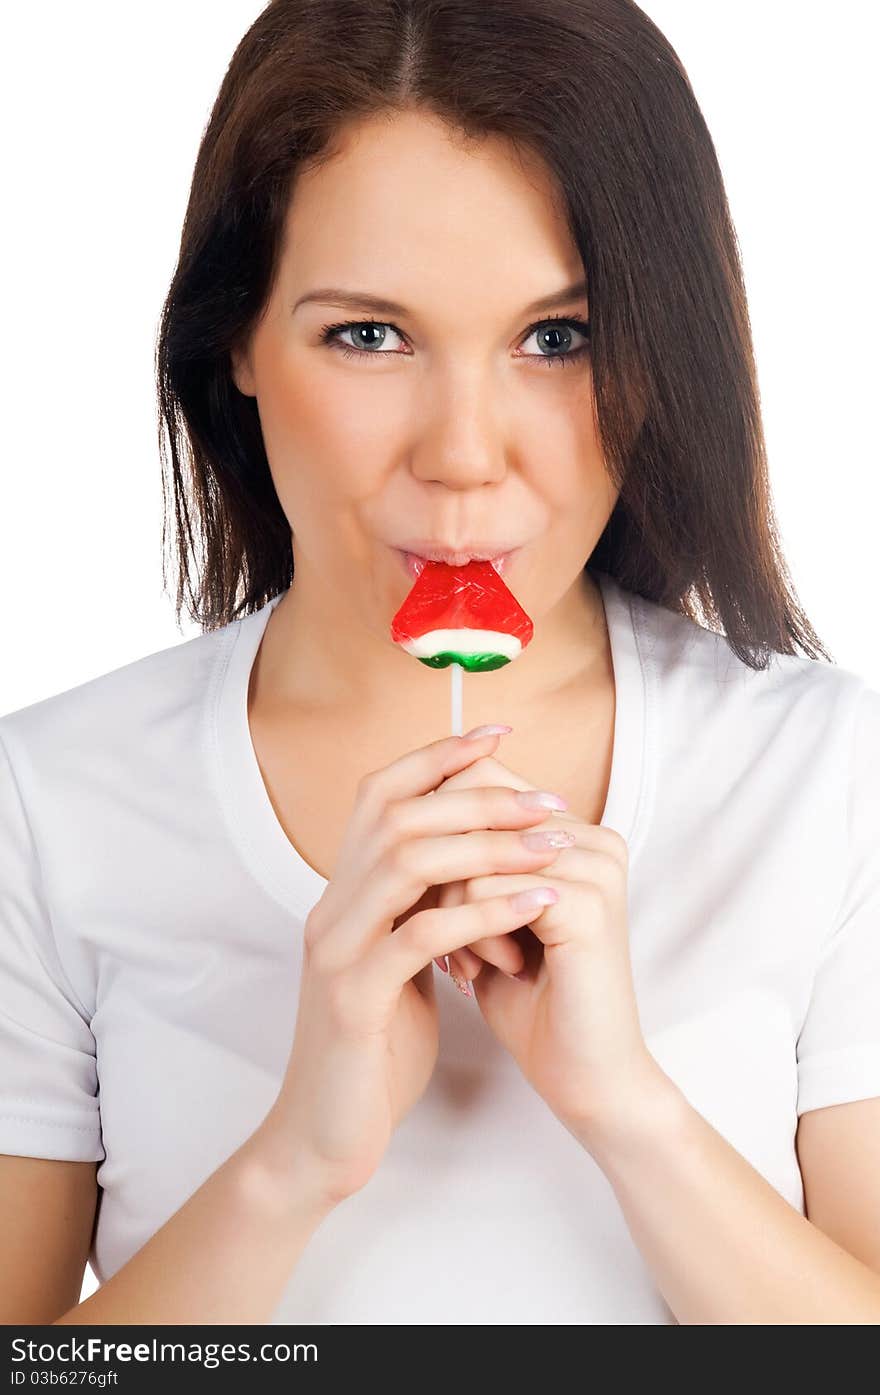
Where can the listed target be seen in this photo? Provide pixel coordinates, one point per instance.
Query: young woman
(454, 280)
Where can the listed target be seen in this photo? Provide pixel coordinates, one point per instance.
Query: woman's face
(460, 417)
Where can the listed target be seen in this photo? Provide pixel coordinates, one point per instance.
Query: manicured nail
(540, 799)
(461, 984)
(540, 839)
(533, 898)
(442, 964)
(477, 732)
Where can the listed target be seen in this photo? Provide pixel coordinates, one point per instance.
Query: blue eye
(330, 335)
(554, 326)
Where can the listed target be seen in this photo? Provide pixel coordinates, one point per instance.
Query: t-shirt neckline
(251, 819)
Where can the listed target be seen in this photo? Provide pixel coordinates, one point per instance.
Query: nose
(460, 441)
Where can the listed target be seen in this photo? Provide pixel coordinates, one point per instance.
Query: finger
(507, 952)
(421, 771)
(412, 775)
(407, 869)
(500, 951)
(434, 932)
(464, 964)
(416, 773)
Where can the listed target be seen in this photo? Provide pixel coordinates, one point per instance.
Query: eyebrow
(363, 300)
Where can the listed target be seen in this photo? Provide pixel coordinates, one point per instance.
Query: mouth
(414, 563)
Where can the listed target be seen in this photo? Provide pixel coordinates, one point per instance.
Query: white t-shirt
(151, 911)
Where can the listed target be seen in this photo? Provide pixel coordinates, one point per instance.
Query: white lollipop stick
(455, 672)
(455, 692)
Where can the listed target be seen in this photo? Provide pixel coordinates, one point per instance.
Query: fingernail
(540, 799)
(541, 839)
(477, 732)
(442, 964)
(535, 896)
(461, 983)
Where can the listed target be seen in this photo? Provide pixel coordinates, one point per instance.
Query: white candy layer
(462, 642)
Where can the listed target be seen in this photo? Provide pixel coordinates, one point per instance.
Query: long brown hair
(594, 89)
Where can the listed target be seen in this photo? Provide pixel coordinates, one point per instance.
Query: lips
(414, 565)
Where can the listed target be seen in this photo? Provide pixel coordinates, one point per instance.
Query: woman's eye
(369, 336)
(556, 339)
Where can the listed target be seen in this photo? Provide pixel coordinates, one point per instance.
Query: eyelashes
(330, 336)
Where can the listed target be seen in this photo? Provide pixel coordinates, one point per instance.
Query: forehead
(405, 200)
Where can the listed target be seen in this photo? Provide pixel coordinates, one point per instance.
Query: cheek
(318, 407)
(577, 490)
(318, 424)
(556, 425)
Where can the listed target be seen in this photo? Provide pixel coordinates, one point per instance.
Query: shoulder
(99, 728)
(763, 749)
(709, 687)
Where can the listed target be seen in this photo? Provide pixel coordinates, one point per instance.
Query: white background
(103, 108)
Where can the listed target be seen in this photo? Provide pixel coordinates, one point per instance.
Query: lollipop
(464, 617)
(461, 615)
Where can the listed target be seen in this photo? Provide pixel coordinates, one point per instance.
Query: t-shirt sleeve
(48, 1069)
(838, 1048)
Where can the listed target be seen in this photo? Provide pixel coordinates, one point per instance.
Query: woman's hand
(573, 1024)
(366, 1034)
